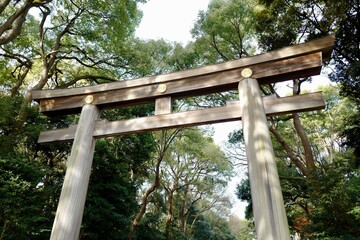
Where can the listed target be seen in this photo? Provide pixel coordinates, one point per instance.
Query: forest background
(170, 184)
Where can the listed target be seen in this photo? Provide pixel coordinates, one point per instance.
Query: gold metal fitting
(89, 99)
(162, 88)
(246, 72)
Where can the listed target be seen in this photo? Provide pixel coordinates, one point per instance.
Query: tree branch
(3, 5)
(85, 77)
(11, 28)
(214, 44)
(45, 11)
(309, 157)
(289, 151)
(164, 144)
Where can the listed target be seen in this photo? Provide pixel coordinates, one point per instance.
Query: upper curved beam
(302, 60)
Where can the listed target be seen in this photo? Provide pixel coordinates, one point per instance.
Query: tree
(14, 14)
(241, 229)
(75, 43)
(226, 27)
(318, 204)
(243, 193)
(283, 22)
(165, 139)
(190, 174)
(31, 175)
(76, 40)
(209, 226)
(112, 191)
(196, 170)
(295, 19)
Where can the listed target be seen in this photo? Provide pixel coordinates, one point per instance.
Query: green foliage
(334, 193)
(227, 26)
(347, 55)
(199, 161)
(21, 214)
(277, 24)
(26, 203)
(183, 58)
(243, 193)
(111, 193)
(194, 172)
(282, 22)
(82, 43)
(150, 227)
(356, 212)
(241, 228)
(351, 133)
(208, 226)
(236, 137)
(319, 205)
(147, 57)
(10, 136)
(201, 229)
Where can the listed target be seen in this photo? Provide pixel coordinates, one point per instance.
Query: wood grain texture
(73, 194)
(218, 81)
(231, 112)
(268, 205)
(163, 105)
(323, 45)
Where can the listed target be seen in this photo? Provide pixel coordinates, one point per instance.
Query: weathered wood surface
(231, 112)
(268, 205)
(215, 82)
(73, 194)
(163, 105)
(323, 45)
(301, 60)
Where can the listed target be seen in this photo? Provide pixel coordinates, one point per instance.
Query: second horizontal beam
(231, 112)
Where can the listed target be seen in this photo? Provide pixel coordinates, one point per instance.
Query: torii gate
(296, 61)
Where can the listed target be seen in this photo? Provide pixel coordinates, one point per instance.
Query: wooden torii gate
(296, 61)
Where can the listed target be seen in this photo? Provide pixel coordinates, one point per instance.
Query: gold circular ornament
(162, 88)
(246, 72)
(89, 99)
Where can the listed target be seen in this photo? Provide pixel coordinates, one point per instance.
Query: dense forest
(170, 184)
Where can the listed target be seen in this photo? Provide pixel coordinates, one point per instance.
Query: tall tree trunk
(306, 163)
(289, 152)
(12, 26)
(23, 113)
(165, 141)
(182, 212)
(308, 153)
(5, 226)
(15, 90)
(169, 218)
(144, 199)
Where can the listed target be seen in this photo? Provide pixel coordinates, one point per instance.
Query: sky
(169, 19)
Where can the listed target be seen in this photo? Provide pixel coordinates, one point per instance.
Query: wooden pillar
(163, 105)
(268, 205)
(73, 195)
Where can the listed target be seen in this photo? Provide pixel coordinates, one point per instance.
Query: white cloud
(171, 20)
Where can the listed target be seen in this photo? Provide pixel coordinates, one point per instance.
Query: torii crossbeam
(296, 61)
